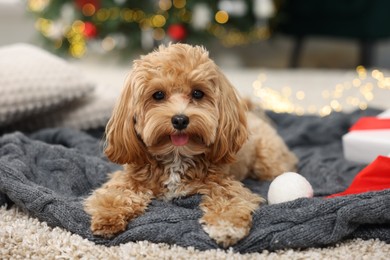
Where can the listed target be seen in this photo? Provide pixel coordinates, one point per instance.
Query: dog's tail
(248, 103)
(256, 109)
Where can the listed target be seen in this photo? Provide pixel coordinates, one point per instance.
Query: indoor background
(297, 56)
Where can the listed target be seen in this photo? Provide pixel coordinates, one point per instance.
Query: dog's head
(176, 100)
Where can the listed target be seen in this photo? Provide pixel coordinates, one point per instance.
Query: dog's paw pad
(225, 233)
(107, 229)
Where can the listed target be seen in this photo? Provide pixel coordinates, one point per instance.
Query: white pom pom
(289, 186)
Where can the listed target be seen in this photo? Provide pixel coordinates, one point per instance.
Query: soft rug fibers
(23, 237)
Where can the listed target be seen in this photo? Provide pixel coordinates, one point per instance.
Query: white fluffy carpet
(23, 237)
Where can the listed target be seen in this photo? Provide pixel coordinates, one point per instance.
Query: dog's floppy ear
(232, 126)
(122, 143)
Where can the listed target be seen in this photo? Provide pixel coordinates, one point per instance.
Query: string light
(88, 9)
(108, 43)
(102, 14)
(37, 5)
(179, 3)
(158, 34)
(165, 4)
(232, 37)
(337, 98)
(43, 25)
(221, 17)
(76, 39)
(127, 15)
(158, 20)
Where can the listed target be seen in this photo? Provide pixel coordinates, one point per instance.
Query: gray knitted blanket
(48, 173)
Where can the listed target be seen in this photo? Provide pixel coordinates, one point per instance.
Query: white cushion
(33, 81)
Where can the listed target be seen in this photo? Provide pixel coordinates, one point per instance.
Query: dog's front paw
(224, 232)
(107, 226)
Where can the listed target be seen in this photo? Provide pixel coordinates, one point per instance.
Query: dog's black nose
(180, 122)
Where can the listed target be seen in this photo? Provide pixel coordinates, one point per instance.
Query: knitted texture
(50, 172)
(33, 81)
(90, 112)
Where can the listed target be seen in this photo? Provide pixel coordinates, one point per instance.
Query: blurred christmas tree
(76, 26)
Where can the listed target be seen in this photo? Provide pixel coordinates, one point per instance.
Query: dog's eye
(159, 95)
(197, 94)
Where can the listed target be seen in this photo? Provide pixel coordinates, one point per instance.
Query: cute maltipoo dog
(180, 128)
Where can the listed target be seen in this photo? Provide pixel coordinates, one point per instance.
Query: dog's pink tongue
(179, 139)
